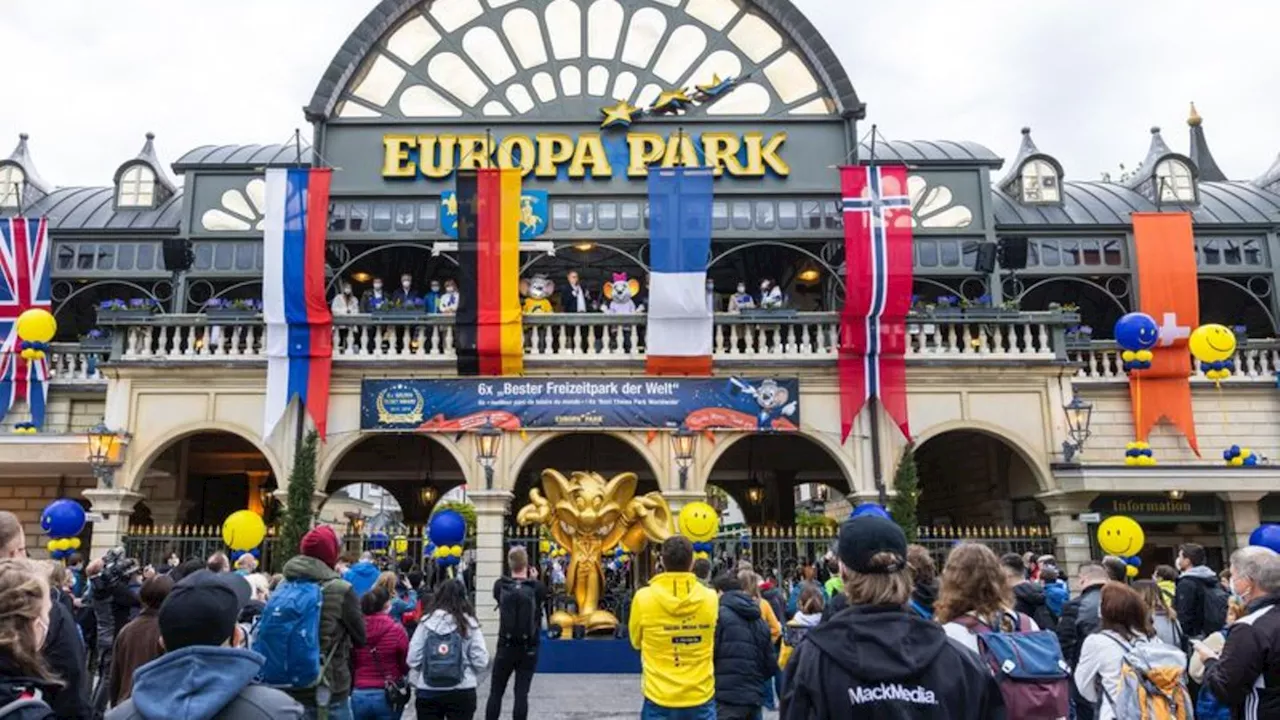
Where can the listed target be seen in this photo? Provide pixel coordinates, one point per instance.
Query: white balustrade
(70, 364)
(1257, 361)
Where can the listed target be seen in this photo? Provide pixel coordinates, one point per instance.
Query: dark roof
(931, 152)
(1199, 153)
(388, 13)
(241, 157)
(1158, 151)
(1111, 204)
(93, 208)
(1027, 151)
(1270, 180)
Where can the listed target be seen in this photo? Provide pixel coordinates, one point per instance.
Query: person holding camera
(113, 603)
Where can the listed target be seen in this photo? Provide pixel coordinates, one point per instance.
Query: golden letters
(437, 156)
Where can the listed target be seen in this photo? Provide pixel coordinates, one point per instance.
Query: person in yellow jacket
(673, 625)
(1166, 579)
(808, 615)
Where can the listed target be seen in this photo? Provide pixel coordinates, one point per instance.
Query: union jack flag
(24, 284)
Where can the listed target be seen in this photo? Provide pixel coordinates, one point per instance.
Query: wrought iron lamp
(1079, 416)
(104, 453)
(488, 439)
(683, 441)
(755, 491)
(427, 495)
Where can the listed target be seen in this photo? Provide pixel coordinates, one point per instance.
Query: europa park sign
(590, 154)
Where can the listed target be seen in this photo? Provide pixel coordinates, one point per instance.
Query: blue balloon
(870, 508)
(62, 518)
(1135, 561)
(1137, 331)
(379, 541)
(1267, 536)
(447, 527)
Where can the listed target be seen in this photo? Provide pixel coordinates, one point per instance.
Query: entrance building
(584, 96)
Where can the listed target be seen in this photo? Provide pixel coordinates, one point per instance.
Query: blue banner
(733, 403)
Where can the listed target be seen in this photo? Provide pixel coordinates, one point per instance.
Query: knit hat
(864, 537)
(321, 543)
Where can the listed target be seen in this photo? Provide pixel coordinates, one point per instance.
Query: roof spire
(1026, 151)
(21, 156)
(1199, 150)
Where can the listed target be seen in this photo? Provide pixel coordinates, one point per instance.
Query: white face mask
(741, 288)
(435, 288)
(1235, 594)
(346, 291)
(377, 286)
(405, 284)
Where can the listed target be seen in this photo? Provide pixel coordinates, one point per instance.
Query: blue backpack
(288, 636)
(1027, 665)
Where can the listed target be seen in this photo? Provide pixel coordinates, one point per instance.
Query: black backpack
(518, 624)
(1215, 609)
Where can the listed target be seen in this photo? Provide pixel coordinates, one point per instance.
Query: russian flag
(680, 330)
(299, 324)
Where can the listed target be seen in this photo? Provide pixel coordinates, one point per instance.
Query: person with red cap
(341, 622)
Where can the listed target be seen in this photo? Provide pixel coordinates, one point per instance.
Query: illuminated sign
(590, 154)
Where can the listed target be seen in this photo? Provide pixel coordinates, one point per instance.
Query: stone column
(115, 507)
(1243, 516)
(491, 517)
(1071, 537)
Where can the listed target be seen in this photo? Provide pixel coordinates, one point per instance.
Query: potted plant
(1079, 336)
(96, 340)
(947, 306)
(119, 310)
(238, 310)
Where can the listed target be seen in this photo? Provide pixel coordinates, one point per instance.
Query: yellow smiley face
(1212, 343)
(1121, 535)
(699, 522)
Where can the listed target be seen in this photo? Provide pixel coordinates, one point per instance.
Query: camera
(116, 568)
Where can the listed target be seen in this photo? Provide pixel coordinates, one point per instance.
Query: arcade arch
(199, 477)
(971, 477)
(412, 470)
(770, 476)
(605, 453)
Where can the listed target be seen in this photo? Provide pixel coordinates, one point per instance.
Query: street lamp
(488, 438)
(1079, 416)
(683, 441)
(428, 495)
(755, 491)
(104, 453)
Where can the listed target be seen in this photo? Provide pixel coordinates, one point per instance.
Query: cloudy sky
(1090, 77)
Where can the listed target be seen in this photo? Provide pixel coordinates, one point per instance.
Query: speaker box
(986, 259)
(1013, 253)
(177, 254)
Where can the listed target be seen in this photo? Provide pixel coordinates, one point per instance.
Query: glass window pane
(1212, 256)
(834, 218)
(382, 217)
(949, 252)
(1231, 253)
(66, 257)
(223, 256)
(926, 253)
(1111, 253)
(359, 218)
(764, 215)
(630, 216)
(1070, 253)
(646, 215)
(1033, 254)
(719, 215)
(1092, 252)
(404, 217)
(1253, 252)
(812, 214)
(741, 215)
(84, 258)
(561, 216)
(428, 214)
(338, 216)
(968, 254)
(245, 256)
(146, 256)
(607, 216)
(584, 216)
(204, 256)
(788, 215)
(1049, 254)
(106, 257)
(124, 256)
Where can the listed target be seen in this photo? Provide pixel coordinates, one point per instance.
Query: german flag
(489, 334)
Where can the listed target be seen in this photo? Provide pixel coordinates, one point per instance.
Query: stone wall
(27, 497)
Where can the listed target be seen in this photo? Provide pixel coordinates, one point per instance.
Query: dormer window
(12, 183)
(1174, 182)
(137, 187)
(1039, 182)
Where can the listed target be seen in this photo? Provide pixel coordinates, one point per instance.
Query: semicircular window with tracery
(448, 59)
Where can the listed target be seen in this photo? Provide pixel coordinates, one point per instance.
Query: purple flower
(96, 334)
(215, 303)
(112, 304)
(138, 303)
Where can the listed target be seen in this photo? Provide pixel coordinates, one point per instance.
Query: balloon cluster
(36, 327)
(618, 558)
(556, 551)
(447, 555)
(1237, 456)
(544, 546)
(1136, 333)
(1139, 454)
(400, 545)
(1132, 563)
(25, 428)
(235, 554)
(700, 523)
(703, 550)
(379, 542)
(1215, 347)
(1267, 536)
(62, 520)
(446, 531)
(243, 531)
(1122, 536)
(870, 508)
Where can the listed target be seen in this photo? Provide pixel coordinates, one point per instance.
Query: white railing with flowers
(77, 364)
(1099, 362)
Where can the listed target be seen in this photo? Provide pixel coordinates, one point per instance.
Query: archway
(601, 453)
(390, 480)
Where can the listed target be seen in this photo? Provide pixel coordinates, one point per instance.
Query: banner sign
(748, 404)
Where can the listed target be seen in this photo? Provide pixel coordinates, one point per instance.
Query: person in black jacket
(1081, 617)
(1193, 592)
(64, 653)
(1246, 676)
(876, 659)
(1028, 595)
(744, 657)
(25, 678)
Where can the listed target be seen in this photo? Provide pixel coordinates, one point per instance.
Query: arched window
(137, 187)
(1173, 180)
(1039, 182)
(12, 182)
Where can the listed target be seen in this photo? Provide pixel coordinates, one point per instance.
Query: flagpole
(873, 403)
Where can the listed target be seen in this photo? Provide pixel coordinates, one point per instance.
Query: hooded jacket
(794, 633)
(1056, 595)
(1080, 618)
(475, 654)
(923, 596)
(341, 624)
(743, 653)
(203, 682)
(362, 577)
(1029, 599)
(1097, 676)
(1190, 596)
(64, 652)
(673, 625)
(1246, 676)
(874, 662)
(13, 687)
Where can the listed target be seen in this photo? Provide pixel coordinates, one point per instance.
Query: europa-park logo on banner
(544, 155)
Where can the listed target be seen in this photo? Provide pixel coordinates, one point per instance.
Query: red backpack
(1034, 679)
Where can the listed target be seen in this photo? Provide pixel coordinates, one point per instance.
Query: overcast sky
(1090, 78)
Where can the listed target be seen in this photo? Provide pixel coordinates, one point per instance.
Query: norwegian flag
(878, 278)
(24, 284)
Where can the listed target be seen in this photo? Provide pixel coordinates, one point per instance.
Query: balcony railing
(1256, 361)
(595, 338)
(76, 364)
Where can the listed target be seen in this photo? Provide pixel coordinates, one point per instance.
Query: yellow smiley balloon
(699, 522)
(1121, 535)
(1212, 343)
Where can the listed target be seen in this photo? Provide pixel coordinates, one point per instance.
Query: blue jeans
(372, 705)
(337, 711)
(653, 711)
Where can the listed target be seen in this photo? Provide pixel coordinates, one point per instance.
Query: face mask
(742, 288)
(1235, 594)
(377, 286)
(405, 284)
(346, 291)
(435, 287)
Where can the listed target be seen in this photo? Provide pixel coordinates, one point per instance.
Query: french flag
(299, 324)
(680, 322)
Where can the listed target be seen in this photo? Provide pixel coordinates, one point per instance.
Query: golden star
(619, 114)
(672, 100)
(711, 86)
(451, 205)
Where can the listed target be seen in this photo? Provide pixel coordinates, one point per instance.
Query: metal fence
(1003, 539)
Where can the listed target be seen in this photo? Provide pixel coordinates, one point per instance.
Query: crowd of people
(885, 635)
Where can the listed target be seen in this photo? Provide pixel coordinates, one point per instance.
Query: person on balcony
(770, 295)
(741, 300)
(405, 295)
(374, 298)
(432, 299)
(345, 303)
(448, 302)
(575, 298)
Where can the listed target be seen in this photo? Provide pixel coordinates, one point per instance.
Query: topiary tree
(907, 484)
(297, 512)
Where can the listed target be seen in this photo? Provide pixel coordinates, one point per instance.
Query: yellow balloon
(1212, 343)
(1121, 535)
(544, 546)
(1128, 356)
(53, 546)
(1131, 571)
(243, 530)
(75, 543)
(699, 522)
(401, 544)
(37, 325)
(1145, 355)
(457, 551)
(1237, 461)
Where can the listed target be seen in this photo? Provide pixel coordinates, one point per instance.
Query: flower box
(230, 315)
(117, 316)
